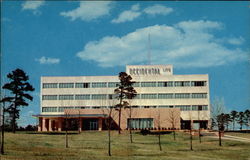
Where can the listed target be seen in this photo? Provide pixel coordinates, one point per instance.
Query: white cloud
(128, 15)
(48, 60)
(186, 44)
(158, 9)
(89, 10)
(236, 41)
(32, 5)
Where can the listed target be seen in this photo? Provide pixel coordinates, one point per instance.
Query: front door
(93, 125)
(90, 124)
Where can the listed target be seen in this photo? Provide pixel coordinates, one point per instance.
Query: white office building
(156, 85)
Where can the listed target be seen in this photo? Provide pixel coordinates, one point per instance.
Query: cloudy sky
(101, 37)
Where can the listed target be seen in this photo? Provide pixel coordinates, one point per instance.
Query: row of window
(138, 96)
(182, 107)
(115, 84)
(140, 123)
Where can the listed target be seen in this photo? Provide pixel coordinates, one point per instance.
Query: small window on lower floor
(140, 123)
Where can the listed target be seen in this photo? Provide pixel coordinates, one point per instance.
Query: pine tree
(18, 87)
(124, 90)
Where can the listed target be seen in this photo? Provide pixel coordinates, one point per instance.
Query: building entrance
(90, 124)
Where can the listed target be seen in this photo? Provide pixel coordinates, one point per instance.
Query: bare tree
(109, 114)
(79, 121)
(190, 130)
(217, 108)
(173, 118)
(221, 120)
(217, 111)
(66, 128)
(158, 123)
(130, 113)
(199, 131)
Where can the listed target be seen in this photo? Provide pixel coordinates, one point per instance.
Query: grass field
(93, 146)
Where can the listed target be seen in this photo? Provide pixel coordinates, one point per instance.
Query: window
(49, 97)
(148, 84)
(165, 95)
(137, 96)
(96, 107)
(66, 85)
(182, 83)
(166, 84)
(111, 96)
(113, 84)
(183, 107)
(49, 109)
(135, 106)
(200, 108)
(82, 85)
(204, 108)
(136, 84)
(61, 109)
(66, 97)
(164, 106)
(199, 95)
(140, 123)
(50, 85)
(198, 83)
(79, 107)
(148, 96)
(99, 96)
(82, 96)
(99, 85)
(182, 95)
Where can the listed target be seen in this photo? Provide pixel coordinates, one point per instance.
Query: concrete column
(100, 124)
(80, 125)
(44, 124)
(50, 125)
(60, 124)
(39, 124)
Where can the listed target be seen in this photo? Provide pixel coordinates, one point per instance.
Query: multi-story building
(86, 99)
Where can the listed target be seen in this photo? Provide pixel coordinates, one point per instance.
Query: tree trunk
(14, 119)
(120, 110)
(2, 138)
(199, 132)
(191, 138)
(79, 121)
(130, 131)
(159, 141)
(220, 138)
(233, 125)
(174, 135)
(66, 137)
(109, 144)
(119, 125)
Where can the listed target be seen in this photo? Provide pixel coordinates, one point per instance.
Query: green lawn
(93, 145)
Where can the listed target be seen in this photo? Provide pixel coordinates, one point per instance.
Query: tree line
(234, 118)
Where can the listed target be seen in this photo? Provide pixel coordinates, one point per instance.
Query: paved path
(233, 138)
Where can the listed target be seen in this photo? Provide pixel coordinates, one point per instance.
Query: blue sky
(99, 38)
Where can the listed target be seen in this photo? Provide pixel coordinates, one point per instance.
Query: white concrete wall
(186, 115)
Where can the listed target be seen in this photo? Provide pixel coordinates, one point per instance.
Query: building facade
(86, 100)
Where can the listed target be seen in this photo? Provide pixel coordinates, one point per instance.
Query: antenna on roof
(149, 49)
